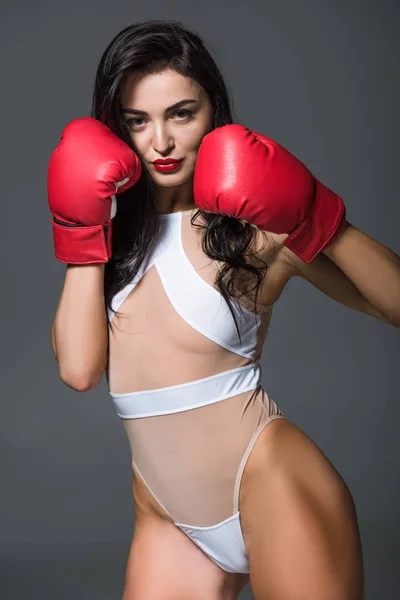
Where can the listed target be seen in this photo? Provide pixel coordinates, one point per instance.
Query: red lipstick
(165, 165)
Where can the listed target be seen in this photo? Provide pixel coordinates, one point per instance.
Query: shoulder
(268, 247)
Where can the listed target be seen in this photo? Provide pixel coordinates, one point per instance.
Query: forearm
(372, 267)
(80, 326)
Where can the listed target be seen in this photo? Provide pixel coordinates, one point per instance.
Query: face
(159, 130)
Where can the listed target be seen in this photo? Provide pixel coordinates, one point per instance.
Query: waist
(186, 396)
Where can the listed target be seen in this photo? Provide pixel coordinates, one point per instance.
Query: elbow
(81, 382)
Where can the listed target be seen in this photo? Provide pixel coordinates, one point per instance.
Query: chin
(171, 180)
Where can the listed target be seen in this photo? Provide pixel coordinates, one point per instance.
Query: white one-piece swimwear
(188, 390)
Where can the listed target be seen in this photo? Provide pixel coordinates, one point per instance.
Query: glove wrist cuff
(320, 227)
(81, 245)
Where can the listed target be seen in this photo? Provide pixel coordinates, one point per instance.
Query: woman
(170, 290)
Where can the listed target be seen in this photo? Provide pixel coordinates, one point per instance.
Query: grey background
(322, 79)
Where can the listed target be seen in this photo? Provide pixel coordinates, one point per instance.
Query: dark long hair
(150, 47)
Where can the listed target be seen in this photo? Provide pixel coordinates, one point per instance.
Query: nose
(163, 142)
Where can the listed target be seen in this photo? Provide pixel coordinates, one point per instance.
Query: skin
(175, 134)
(298, 517)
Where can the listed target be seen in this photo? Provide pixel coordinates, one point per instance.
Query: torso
(155, 330)
(174, 332)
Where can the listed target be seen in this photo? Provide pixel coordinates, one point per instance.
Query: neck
(175, 199)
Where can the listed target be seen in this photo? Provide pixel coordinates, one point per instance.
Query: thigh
(299, 521)
(164, 564)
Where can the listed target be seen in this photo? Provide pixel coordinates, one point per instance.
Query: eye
(183, 112)
(133, 122)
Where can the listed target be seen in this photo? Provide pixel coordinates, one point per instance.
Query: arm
(373, 268)
(327, 276)
(87, 169)
(80, 334)
(258, 180)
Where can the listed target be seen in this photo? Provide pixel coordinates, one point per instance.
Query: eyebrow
(133, 111)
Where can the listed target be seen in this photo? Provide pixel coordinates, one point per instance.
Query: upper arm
(326, 276)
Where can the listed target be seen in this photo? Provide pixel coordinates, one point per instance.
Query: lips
(167, 164)
(166, 161)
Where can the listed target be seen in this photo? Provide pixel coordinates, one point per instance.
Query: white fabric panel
(223, 543)
(176, 398)
(197, 302)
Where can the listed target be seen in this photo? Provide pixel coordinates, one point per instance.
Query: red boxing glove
(246, 175)
(89, 166)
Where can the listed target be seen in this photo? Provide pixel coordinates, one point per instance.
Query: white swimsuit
(188, 390)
